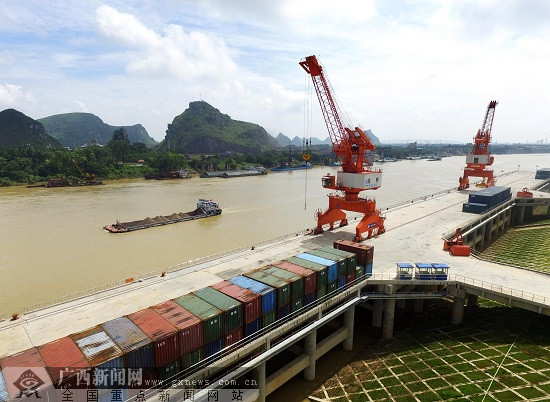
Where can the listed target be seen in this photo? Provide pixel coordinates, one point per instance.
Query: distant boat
(383, 160)
(434, 158)
(284, 168)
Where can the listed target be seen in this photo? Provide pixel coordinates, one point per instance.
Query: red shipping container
(351, 277)
(363, 253)
(66, 364)
(309, 275)
(252, 302)
(17, 366)
(190, 327)
(163, 335)
(232, 337)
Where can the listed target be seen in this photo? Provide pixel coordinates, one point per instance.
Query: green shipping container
(350, 257)
(321, 292)
(359, 271)
(296, 304)
(232, 311)
(296, 281)
(282, 287)
(320, 269)
(168, 371)
(268, 319)
(342, 261)
(191, 358)
(210, 316)
(331, 287)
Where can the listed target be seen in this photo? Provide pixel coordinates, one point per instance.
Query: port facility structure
(414, 232)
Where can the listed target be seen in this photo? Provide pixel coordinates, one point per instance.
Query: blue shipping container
(137, 346)
(213, 347)
(368, 270)
(341, 282)
(491, 196)
(3, 389)
(474, 208)
(253, 327)
(309, 298)
(283, 311)
(266, 292)
(331, 265)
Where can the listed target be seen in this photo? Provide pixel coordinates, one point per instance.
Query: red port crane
(478, 160)
(356, 172)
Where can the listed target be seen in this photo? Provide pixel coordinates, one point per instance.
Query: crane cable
(307, 128)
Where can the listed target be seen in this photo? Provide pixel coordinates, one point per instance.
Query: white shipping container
(359, 180)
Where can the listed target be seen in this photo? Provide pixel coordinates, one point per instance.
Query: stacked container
(364, 254)
(232, 313)
(64, 354)
(211, 318)
(351, 265)
(342, 265)
(251, 305)
(296, 285)
(309, 278)
(191, 338)
(16, 366)
(321, 274)
(282, 290)
(164, 337)
(267, 294)
(332, 269)
(486, 199)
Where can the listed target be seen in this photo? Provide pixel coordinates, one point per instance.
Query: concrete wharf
(414, 233)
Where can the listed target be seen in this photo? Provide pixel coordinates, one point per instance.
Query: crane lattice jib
(483, 137)
(337, 133)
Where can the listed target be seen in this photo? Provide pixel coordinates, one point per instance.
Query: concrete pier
(458, 309)
(418, 306)
(259, 376)
(311, 351)
(349, 319)
(389, 312)
(472, 300)
(377, 313)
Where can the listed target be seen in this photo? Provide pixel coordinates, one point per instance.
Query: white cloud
(13, 95)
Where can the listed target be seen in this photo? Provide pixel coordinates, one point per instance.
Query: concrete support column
(472, 300)
(418, 306)
(489, 232)
(311, 349)
(377, 313)
(349, 318)
(401, 304)
(259, 375)
(458, 310)
(521, 215)
(387, 325)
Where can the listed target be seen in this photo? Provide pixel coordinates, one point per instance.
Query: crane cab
(328, 181)
(362, 181)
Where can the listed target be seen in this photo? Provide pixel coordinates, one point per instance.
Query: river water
(52, 242)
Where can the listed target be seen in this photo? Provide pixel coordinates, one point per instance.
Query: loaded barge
(205, 208)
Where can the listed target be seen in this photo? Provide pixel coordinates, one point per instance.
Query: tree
(121, 135)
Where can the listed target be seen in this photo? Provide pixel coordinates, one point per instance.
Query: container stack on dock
(543, 173)
(168, 338)
(364, 256)
(486, 199)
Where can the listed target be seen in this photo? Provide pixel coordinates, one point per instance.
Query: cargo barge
(205, 208)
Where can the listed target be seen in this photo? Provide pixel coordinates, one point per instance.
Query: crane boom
(356, 174)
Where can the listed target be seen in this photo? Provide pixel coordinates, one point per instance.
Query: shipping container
(359, 271)
(268, 319)
(341, 261)
(332, 266)
(168, 371)
(491, 196)
(350, 257)
(351, 277)
(16, 367)
(232, 311)
(282, 287)
(364, 253)
(163, 335)
(543, 173)
(3, 389)
(232, 337)
(283, 311)
(103, 355)
(474, 208)
(321, 270)
(368, 270)
(267, 293)
(321, 292)
(191, 358)
(144, 379)
(296, 281)
(296, 304)
(189, 327)
(309, 298)
(342, 282)
(253, 327)
(135, 344)
(332, 286)
(309, 276)
(251, 302)
(212, 327)
(213, 347)
(63, 354)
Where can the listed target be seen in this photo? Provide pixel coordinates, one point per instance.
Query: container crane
(478, 160)
(356, 173)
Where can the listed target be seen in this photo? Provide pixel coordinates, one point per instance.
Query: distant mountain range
(285, 141)
(77, 129)
(204, 129)
(18, 129)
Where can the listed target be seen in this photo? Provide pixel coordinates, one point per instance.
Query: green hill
(76, 129)
(17, 129)
(204, 129)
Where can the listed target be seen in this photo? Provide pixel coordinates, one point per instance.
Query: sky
(408, 70)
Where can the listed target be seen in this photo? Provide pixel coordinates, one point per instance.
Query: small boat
(205, 208)
(434, 158)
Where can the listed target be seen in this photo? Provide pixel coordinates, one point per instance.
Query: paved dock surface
(414, 234)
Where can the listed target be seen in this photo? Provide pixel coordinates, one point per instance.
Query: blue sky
(408, 70)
